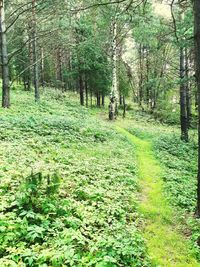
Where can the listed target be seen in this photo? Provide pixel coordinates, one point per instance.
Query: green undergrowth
(67, 187)
(179, 164)
(180, 177)
(166, 245)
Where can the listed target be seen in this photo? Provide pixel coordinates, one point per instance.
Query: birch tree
(4, 58)
(113, 106)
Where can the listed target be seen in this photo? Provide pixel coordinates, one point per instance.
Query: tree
(197, 67)
(4, 58)
(35, 57)
(113, 106)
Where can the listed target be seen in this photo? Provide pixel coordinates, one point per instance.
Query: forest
(100, 133)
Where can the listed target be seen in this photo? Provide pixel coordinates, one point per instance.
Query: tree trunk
(81, 89)
(147, 79)
(183, 110)
(113, 106)
(4, 59)
(30, 53)
(197, 66)
(140, 93)
(103, 100)
(59, 75)
(35, 57)
(121, 100)
(98, 100)
(188, 93)
(42, 67)
(86, 91)
(124, 107)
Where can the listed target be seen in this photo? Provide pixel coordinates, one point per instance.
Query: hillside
(71, 188)
(68, 188)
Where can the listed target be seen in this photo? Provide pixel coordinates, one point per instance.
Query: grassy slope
(178, 161)
(166, 245)
(87, 215)
(78, 205)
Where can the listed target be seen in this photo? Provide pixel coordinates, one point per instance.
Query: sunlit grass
(166, 245)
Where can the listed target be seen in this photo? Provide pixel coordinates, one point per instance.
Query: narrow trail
(166, 245)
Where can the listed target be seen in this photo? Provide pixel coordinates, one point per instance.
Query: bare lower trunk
(35, 57)
(59, 69)
(98, 100)
(81, 89)
(103, 100)
(4, 59)
(113, 106)
(147, 79)
(86, 92)
(183, 110)
(197, 65)
(42, 67)
(30, 52)
(124, 107)
(140, 93)
(121, 100)
(188, 93)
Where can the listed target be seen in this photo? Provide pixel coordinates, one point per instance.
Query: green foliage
(179, 161)
(89, 56)
(68, 188)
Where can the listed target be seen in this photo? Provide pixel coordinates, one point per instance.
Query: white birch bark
(113, 106)
(4, 59)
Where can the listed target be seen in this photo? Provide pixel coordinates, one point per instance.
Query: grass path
(166, 245)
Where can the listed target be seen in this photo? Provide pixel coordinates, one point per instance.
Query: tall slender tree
(183, 104)
(197, 66)
(35, 57)
(4, 58)
(114, 92)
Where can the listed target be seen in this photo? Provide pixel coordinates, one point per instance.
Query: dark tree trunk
(103, 100)
(188, 93)
(183, 109)
(121, 100)
(196, 100)
(70, 81)
(81, 89)
(124, 107)
(197, 66)
(98, 100)
(86, 91)
(35, 57)
(4, 59)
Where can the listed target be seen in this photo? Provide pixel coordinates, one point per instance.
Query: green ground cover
(68, 187)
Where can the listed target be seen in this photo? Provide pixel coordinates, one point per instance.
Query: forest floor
(166, 245)
(77, 190)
